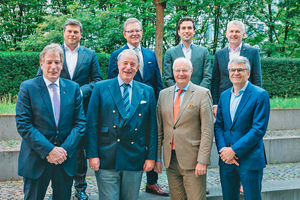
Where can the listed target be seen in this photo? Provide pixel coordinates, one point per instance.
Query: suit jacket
(245, 133)
(151, 76)
(220, 78)
(201, 65)
(193, 129)
(86, 74)
(121, 143)
(36, 125)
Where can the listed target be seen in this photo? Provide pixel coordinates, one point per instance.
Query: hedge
(281, 77)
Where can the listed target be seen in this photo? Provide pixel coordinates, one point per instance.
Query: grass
(276, 103)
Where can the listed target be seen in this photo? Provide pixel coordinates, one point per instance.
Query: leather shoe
(81, 195)
(207, 191)
(155, 189)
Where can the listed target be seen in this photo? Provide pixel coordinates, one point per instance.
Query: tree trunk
(159, 7)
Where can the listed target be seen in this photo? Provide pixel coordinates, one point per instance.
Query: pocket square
(142, 102)
(149, 62)
(191, 105)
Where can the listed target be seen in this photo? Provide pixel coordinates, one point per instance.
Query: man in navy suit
(148, 73)
(220, 81)
(242, 121)
(81, 66)
(121, 131)
(50, 119)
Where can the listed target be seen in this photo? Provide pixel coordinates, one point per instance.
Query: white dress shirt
(140, 57)
(71, 59)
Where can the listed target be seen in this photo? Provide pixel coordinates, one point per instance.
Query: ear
(138, 67)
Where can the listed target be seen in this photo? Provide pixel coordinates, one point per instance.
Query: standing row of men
(121, 136)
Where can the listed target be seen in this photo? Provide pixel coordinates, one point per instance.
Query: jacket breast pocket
(195, 142)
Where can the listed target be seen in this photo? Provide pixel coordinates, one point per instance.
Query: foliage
(285, 102)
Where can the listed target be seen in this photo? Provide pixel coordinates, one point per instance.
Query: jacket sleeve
(256, 78)
(215, 82)
(206, 70)
(168, 69)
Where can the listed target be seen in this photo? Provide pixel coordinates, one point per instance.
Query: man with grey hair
(148, 73)
(241, 123)
(81, 66)
(50, 119)
(185, 129)
(121, 131)
(220, 81)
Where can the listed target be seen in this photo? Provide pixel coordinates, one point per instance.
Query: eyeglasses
(184, 71)
(232, 70)
(134, 31)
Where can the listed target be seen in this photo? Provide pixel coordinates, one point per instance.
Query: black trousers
(35, 189)
(79, 178)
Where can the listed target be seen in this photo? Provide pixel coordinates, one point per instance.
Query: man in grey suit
(220, 81)
(199, 56)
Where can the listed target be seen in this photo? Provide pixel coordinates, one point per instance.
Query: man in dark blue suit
(148, 73)
(81, 66)
(50, 119)
(121, 131)
(220, 81)
(242, 121)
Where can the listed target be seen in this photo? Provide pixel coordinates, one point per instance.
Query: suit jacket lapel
(187, 98)
(170, 100)
(246, 96)
(226, 107)
(137, 94)
(63, 98)
(65, 66)
(115, 92)
(178, 51)
(194, 54)
(81, 54)
(46, 98)
(226, 55)
(243, 50)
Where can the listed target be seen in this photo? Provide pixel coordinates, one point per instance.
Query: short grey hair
(52, 48)
(132, 20)
(129, 51)
(240, 59)
(236, 22)
(187, 61)
(73, 22)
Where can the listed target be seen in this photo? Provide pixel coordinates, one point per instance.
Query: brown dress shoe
(155, 189)
(207, 191)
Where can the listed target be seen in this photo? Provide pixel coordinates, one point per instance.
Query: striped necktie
(126, 99)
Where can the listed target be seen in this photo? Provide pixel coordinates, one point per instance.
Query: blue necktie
(126, 99)
(56, 103)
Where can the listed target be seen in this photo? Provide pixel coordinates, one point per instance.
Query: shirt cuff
(158, 159)
(81, 93)
(215, 106)
(202, 163)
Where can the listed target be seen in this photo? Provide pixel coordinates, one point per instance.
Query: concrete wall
(8, 129)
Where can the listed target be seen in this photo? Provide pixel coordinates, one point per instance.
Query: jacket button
(140, 114)
(114, 126)
(135, 129)
(118, 140)
(57, 132)
(132, 142)
(231, 131)
(174, 127)
(114, 111)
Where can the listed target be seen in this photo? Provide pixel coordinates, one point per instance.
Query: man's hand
(234, 161)
(215, 111)
(200, 169)
(148, 165)
(227, 154)
(158, 167)
(57, 156)
(94, 163)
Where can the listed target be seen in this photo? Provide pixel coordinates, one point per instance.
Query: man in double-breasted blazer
(81, 66)
(242, 121)
(185, 129)
(220, 81)
(121, 131)
(199, 56)
(148, 73)
(50, 119)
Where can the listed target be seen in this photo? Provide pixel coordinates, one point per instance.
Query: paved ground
(281, 171)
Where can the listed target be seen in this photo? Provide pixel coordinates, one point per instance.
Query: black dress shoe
(81, 195)
(207, 191)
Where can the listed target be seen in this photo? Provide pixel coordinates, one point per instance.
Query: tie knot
(125, 85)
(53, 86)
(136, 49)
(180, 91)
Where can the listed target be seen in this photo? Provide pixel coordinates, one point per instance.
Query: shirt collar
(184, 88)
(182, 45)
(121, 82)
(132, 47)
(237, 49)
(68, 49)
(49, 82)
(241, 91)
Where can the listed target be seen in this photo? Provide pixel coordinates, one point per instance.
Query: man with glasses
(220, 81)
(148, 73)
(241, 123)
(199, 56)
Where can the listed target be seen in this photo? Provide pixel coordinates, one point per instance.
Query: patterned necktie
(56, 103)
(175, 111)
(126, 99)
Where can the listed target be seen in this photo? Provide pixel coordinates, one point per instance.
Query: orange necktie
(175, 112)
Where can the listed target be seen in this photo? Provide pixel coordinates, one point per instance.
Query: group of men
(124, 121)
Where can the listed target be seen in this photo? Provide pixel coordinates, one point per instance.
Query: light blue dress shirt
(187, 52)
(235, 100)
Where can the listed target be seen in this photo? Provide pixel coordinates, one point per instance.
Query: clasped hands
(228, 156)
(57, 156)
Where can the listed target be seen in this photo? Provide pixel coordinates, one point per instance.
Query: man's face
(131, 34)
(186, 31)
(238, 74)
(51, 66)
(128, 66)
(72, 35)
(235, 35)
(182, 73)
